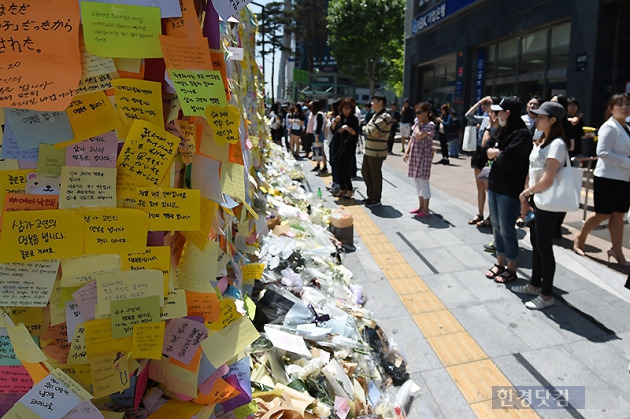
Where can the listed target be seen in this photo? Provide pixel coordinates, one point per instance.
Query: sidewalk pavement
(584, 340)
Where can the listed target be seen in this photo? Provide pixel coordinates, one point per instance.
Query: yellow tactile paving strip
(468, 365)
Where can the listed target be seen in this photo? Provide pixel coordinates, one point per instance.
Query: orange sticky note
(186, 26)
(218, 63)
(36, 371)
(186, 53)
(221, 391)
(203, 304)
(194, 363)
(43, 65)
(90, 114)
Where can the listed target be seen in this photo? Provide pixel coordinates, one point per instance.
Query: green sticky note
(121, 30)
(50, 160)
(126, 313)
(197, 89)
(250, 307)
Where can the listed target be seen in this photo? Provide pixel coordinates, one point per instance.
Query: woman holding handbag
(345, 128)
(549, 154)
(611, 181)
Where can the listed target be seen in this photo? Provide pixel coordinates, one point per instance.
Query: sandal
(484, 223)
(476, 219)
(495, 271)
(505, 277)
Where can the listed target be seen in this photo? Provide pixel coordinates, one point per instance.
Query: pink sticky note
(342, 407)
(85, 410)
(15, 379)
(182, 337)
(99, 151)
(223, 284)
(86, 298)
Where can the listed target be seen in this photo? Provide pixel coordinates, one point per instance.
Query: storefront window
(508, 54)
(534, 55)
(438, 80)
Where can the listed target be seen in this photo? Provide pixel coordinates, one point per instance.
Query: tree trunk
(286, 44)
(273, 70)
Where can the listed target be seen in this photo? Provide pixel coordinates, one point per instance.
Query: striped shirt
(377, 133)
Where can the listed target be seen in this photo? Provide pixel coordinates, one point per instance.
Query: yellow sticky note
(128, 284)
(170, 209)
(208, 211)
(154, 257)
(198, 268)
(221, 346)
(174, 305)
(197, 89)
(78, 349)
(115, 230)
(207, 146)
(233, 180)
(50, 160)
(224, 122)
(112, 415)
(12, 181)
(125, 314)
(250, 210)
(227, 315)
(87, 187)
(177, 379)
(138, 99)
(99, 340)
(24, 346)
(147, 153)
(187, 147)
(90, 114)
(253, 271)
(38, 235)
(19, 411)
(176, 409)
(129, 65)
(148, 339)
(79, 271)
(32, 317)
(250, 307)
(109, 373)
(121, 30)
(71, 385)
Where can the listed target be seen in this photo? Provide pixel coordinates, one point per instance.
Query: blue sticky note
(32, 128)
(10, 149)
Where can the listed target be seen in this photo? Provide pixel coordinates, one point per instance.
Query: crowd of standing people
(519, 151)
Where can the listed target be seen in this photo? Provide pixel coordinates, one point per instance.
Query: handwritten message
(182, 338)
(129, 312)
(218, 63)
(147, 153)
(115, 230)
(186, 53)
(32, 128)
(109, 373)
(29, 202)
(86, 299)
(11, 150)
(228, 8)
(174, 305)
(120, 30)
(197, 89)
(186, 26)
(15, 379)
(224, 122)
(147, 340)
(99, 340)
(27, 284)
(87, 187)
(138, 99)
(50, 161)
(50, 398)
(39, 235)
(98, 151)
(81, 270)
(42, 35)
(202, 304)
(170, 209)
(89, 115)
(233, 180)
(128, 284)
(198, 267)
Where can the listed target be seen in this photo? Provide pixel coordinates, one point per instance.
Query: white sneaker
(539, 303)
(526, 289)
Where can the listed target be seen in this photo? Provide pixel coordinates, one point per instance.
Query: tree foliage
(307, 22)
(366, 38)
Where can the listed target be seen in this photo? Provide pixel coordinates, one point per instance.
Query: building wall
(483, 22)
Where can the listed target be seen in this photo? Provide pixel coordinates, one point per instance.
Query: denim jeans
(504, 211)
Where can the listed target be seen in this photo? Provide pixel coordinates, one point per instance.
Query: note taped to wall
(186, 26)
(115, 230)
(233, 180)
(27, 284)
(40, 235)
(224, 122)
(198, 89)
(138, 99)
(147, 153)
(121, 30)
(128, 284)
(32, 128)
(170, 209)
(147, 340)
(50, 42)
(98, 151)
(87, 187)
(132, 311)
(186, 53)
(91, 114)
(79, 271)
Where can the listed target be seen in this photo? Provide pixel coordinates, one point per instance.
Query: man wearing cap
(377, 133)
(510, 155)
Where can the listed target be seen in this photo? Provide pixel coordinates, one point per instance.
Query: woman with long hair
(345, 128)
(296, 121)
(549, 154)
(419, 154)
(611, 181)
(509, 154)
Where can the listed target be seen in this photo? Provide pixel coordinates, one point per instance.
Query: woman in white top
(548, 155)
(611, 181)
